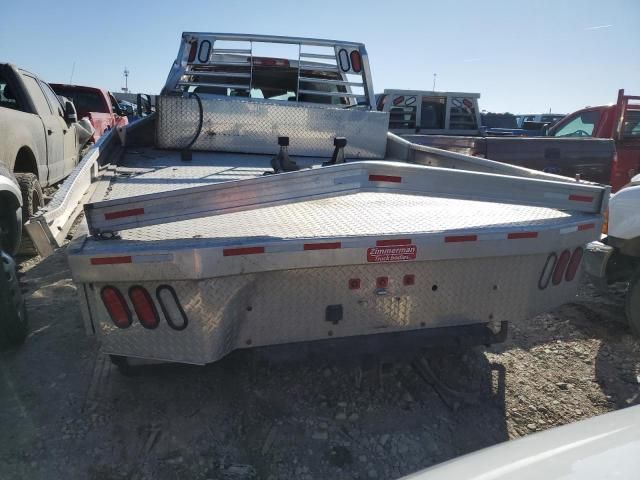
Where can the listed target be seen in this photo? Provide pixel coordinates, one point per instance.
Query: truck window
(402, 117)
(7, 97)
(432, 113)
(631, 125)
(551, 118)
(84, 101)
(275, 83)
(462, 115)
(36, 94)
(54, 101)
(581, 125)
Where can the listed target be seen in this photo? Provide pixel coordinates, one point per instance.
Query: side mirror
(70, 114)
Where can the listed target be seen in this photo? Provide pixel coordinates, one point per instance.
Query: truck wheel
(632, 303)
(32, 201)
(13, 313)
(10, 225)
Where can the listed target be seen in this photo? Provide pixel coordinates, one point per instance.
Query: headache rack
(324, 71)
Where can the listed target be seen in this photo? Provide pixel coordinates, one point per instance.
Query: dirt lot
(66, 412)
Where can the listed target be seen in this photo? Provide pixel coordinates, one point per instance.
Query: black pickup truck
(591, 158)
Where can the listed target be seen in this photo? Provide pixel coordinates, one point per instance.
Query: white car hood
(603, 447)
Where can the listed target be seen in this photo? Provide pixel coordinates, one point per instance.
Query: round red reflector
(561, 266)
(144, 307)
(382, 282)
(356, 61)
(574, 263)
(116, 306)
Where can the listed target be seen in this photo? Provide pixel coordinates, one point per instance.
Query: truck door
(54, 125)
(69, 132)
(628, 148)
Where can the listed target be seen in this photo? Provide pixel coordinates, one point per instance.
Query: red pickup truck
(620, 122)
(97, 104)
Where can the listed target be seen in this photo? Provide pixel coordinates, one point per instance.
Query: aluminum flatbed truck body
(186, 261)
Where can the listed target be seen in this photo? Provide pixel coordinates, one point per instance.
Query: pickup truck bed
(591, 158)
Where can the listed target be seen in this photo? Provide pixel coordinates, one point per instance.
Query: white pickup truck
(13, 315)
(616, 256)
(265, 203)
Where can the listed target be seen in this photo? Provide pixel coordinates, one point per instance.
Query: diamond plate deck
(356, 215)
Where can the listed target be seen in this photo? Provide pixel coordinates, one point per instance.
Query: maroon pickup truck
(97, 104)
(601, 144)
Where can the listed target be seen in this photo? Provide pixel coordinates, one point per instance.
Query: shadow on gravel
(590, 333)
(246, 416)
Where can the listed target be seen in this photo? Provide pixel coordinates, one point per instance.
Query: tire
(632, 303)
(10, 225)
(14, 325)
(32, 201)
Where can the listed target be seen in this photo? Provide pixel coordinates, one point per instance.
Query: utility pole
(434, 82)
(73, 69)
(126, 80)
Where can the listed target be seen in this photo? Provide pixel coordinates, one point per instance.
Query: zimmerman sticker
(399, 253)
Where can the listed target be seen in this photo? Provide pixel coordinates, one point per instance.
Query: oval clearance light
(144, 307)
(561, 266)
(117, 307)
(547, 271)
(170, 305)
(574, 263)
(356, 61)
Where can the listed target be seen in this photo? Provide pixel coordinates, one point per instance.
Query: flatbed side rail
(50, 225)
(108, 217)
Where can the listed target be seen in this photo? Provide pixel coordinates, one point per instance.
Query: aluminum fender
(624, 213)
(602, 447)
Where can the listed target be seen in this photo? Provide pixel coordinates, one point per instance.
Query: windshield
(84, 101)
(581, 125)
(273, 83)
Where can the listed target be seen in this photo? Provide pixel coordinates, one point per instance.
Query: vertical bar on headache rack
(299, 60)
(251, 67)
(366, 77)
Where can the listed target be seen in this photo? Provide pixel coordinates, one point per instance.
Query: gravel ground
(66, 412)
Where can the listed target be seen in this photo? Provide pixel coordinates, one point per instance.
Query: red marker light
(144, 307)
(561, 266)
(356, 61)
(116, 306)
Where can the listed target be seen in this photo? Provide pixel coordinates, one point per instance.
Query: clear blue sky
(522, 56)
